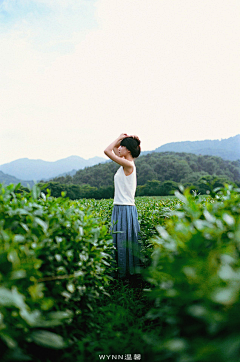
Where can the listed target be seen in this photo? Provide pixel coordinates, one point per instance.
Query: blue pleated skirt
(125, 232)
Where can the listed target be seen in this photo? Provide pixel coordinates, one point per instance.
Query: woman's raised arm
(113, 148)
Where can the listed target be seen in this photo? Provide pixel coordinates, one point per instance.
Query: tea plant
(54, 265)
(195, 273)
(57, 297)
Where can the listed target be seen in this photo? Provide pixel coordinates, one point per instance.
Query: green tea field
(59, 301)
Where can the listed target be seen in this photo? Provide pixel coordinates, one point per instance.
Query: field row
(58, 299)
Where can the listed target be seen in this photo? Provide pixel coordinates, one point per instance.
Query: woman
(125, 225)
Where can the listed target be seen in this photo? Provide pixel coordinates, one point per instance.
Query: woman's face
(123, 151)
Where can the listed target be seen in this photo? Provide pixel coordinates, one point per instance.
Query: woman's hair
(132, 143)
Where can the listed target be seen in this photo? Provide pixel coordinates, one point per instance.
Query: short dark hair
(132, 143)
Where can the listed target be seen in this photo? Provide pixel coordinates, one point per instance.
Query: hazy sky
(77, 73)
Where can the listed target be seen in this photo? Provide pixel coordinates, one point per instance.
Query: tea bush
(195, 274)
(57, 297)
(151, 213)
(54, 266)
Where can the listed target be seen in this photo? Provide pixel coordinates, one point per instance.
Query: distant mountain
(27, 169)
(71, 173)
(180, 167)
(228, 149)
(8, 179)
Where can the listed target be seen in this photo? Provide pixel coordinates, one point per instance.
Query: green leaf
(224, 295)
(228, 219)
(18, 274)
(35, 192)
(60, 315)
(42, 223)
(181, 197)
(10, 342)
(25, 227)
(48, 339)
(6, 297)
(19, 238)
(176, 345)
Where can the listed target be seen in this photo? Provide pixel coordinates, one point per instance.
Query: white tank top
(125, 187)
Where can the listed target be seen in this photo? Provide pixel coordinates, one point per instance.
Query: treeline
(75, 192)
(157, 173)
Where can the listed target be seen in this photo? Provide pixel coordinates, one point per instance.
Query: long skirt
(125, 231)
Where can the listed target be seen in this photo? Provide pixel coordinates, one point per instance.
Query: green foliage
(57, 298)
(163, 166)
(75, 192)
(120, 324)
(203, 185)
(9, 179)
(157, 173)
(54, 266)
(157, 188)
(195, 273)
(152, 212)
(206, 184)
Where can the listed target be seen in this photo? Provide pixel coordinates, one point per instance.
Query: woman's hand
(112, 153)
(122, 136)
(119, 139)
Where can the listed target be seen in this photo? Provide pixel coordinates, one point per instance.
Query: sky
(77, 73)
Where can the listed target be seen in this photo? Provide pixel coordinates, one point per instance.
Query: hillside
(8, 179)
(228, 149)
(28, 169)
(164, 166)
(65, 170)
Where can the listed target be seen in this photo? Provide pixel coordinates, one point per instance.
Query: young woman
(125, 225)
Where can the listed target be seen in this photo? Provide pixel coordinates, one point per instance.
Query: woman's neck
(129, 158)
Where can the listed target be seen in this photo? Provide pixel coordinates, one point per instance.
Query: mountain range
(8, 179)
(227, 149)
(26, 170)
